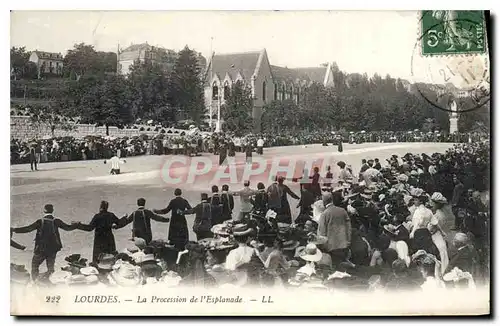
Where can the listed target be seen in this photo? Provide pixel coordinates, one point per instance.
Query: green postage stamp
(453, 32)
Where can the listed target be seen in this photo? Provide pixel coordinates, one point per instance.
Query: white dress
(439, 240)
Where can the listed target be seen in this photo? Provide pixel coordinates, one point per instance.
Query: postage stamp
(451, 57)
(453, 32)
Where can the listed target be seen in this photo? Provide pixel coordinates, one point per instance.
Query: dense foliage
(91, 89)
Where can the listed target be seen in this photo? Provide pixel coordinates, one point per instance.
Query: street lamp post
(218, 126)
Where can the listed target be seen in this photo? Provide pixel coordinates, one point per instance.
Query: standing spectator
(315, 186)
(335, 227)
(216, 206)
(227, 200)
(33, 159)
(458, 201)
(261, 200)
(47, 240)
(328, 177)
(246, 196)
(248, 152)
(260, 146)
(344, 174)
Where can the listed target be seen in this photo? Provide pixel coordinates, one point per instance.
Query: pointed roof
(314, 74)
(49, 55)
(244, 63)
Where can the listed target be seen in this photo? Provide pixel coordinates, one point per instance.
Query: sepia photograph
(278, 163)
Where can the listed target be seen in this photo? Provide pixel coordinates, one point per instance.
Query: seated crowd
(385, 229)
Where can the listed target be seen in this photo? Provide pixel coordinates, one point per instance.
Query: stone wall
(21, 128)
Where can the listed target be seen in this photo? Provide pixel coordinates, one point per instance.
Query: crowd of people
(97, 147)
(382, 229)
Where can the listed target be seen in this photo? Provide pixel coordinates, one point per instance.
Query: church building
(266, 81)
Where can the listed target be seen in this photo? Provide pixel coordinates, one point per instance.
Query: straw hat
(87, 271)
(438, 197)
(311, 253)
(391, 229)
(126, 275)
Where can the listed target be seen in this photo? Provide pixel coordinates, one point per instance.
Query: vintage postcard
(278, 163)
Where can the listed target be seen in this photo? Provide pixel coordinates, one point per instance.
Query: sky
(369, 42)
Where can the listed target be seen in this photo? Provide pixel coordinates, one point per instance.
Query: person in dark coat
(227, 201)
(231, 149)
(306, 200)
(203, 218)
(328, 177)
(285, 214)
(14, 244)
(141, 221)
(178, 233)
(216, 203)
(222, 153)
(102, 223)
(465, 258)
(340, 147)
(47, 240)
(33, 161)
(377, 164)
(261, 199)
(315, 183)
(248, 152)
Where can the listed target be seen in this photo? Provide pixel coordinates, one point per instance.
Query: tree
(80, 59)
(19, 62)
(148, 84)
(237, 110)
(49, 116)
(186, 86)
(84, 59)
(279, 116)
(105, 101)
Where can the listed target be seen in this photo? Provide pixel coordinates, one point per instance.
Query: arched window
(227, 90)
(283, 92)
(297, 96)
(215, 91)
(275, 91)
(264, 91)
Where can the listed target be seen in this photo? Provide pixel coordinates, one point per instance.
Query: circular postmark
(451, 75)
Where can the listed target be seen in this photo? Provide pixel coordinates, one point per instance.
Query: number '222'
(52, 299)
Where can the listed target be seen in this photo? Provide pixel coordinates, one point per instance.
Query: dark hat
(242, 230)
(76, 261)
(48, 208)
(106, 262)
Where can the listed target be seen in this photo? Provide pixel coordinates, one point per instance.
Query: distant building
(126, 57)
(266, 81)
(47, 62)
(159, 55)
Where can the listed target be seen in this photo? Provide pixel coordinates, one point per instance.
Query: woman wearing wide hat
(101, 224)
(420, 236)
(245, 261)
(438, 202)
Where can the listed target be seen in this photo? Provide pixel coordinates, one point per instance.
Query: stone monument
(453, 117)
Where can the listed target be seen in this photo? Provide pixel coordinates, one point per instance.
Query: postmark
(453, 32)
(451, 73)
